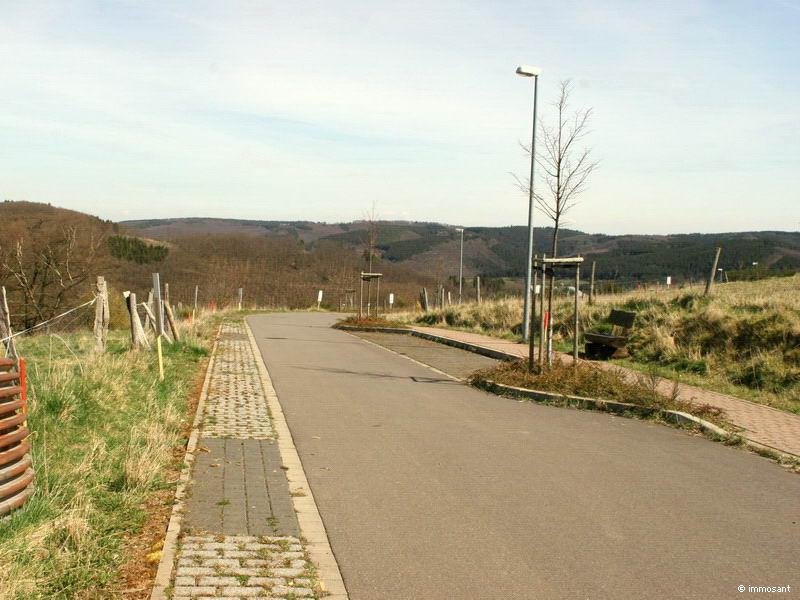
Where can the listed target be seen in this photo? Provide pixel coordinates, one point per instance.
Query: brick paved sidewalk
(759, 423)
(239, 535)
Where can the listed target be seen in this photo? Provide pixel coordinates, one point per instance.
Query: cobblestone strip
(239, 536)
(243, 567)
(236, 405)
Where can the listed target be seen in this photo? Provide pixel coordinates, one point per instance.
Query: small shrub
(766, 372)
(586, 380)
(356, 321)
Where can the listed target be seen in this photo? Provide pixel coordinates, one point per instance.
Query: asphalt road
(431, 489)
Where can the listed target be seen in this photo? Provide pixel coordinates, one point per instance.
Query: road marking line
(422, 364)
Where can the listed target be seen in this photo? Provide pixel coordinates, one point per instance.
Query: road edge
(163, 578)
(312, 528)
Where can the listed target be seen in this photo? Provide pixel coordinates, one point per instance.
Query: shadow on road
(415, 379)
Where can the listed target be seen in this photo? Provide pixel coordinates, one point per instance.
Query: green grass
(104, 432)
(742, 340)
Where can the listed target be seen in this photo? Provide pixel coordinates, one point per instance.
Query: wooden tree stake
(138, 337)
(5, 324)
(577, 307)
(148, 313)
(171, 320)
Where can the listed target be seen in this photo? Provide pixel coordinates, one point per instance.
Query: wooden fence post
(101, 315)
(5, 324)
(138, 337)
(710, 282)
(172, 324)
(591, 284)
(148, 312)
(150, 318)
(478, 288)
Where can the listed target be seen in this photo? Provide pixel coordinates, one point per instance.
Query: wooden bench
(611, 345)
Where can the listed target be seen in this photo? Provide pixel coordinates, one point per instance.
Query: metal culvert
(16, 467)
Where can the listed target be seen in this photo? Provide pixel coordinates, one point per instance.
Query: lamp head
(528, 71)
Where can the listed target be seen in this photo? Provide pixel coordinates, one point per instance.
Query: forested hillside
(433, 249)
(50, 257)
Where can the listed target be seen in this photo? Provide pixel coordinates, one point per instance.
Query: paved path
(765, 425)
(239, 536)
(432, 489)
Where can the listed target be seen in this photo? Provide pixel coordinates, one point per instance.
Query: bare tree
(565, 166)
(370, 238)
(49, 271)
(370, 248)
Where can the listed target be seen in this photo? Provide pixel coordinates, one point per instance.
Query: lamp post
(460, 263)
(528, 71)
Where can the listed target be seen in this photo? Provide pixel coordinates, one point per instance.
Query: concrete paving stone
(243, 592)
(228, 563)
(194, 571)
(194, 591)
(287, 572)
(269, 581)
(300, 592)
(236, 406)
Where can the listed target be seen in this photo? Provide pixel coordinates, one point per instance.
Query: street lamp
(529, 71)
(460, 263)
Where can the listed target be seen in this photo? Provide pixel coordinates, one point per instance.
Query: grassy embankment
(743, 340)
(107, 441)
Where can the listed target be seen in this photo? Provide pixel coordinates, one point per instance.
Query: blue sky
(317, 110)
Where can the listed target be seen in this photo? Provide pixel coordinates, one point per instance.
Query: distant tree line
(136, 250)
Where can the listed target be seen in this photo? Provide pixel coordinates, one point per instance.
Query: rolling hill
(433, 249)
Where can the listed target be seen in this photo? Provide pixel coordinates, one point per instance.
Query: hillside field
(743, 339)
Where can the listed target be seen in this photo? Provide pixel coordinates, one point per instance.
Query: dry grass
(500, 318)
(356, 321)
(743, 340)
(588, 381)
(104, 434)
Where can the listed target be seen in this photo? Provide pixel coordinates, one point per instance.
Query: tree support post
(577, 307)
